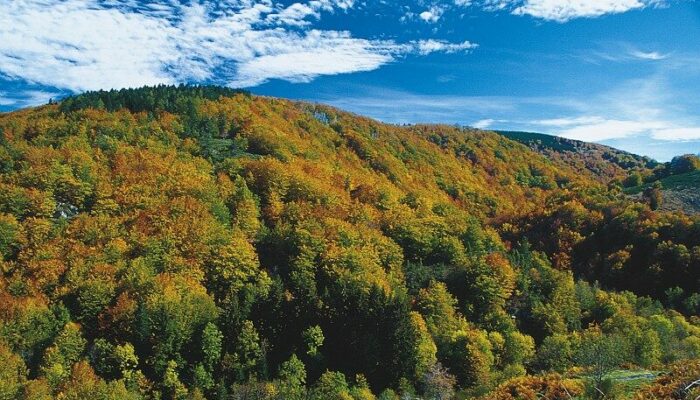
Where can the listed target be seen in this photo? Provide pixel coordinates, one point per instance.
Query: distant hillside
(603, 161)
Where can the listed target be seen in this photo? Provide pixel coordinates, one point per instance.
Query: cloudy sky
(621, 72)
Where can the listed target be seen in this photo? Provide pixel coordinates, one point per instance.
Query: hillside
(604, 162)
(199, 242)
(680, 192)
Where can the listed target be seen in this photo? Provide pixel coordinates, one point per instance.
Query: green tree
(470, 358)
(83, 384)
(244, 208)
(685, 163)
(601, 354)
(426, 351)
(102, 358)
(10, 231)
(331, 386)
(211, 346)
(67, 349)
(13, 374)
(233, 269)
(437, 306)
(555, 353)
(248, 354)
(170, 316)
(633, 180)
(202, 378)
(483, 287)
(126, 358)
(361, 390)
(388, 394)
(313, 339)
(292, 377)
(519, 348)
(174, 389)
(647, 348)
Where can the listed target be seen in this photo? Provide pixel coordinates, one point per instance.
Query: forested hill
(201, 242)
(604, 162)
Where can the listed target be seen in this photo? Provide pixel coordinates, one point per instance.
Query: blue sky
(620, 72)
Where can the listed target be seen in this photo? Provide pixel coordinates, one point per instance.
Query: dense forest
(200, 242)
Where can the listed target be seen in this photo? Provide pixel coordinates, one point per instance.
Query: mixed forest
(204, 243)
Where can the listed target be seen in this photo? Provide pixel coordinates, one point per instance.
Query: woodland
(198, 242)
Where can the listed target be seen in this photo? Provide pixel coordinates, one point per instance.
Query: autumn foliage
(200, 242)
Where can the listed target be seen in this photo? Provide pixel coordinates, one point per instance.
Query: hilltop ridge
(603, 161)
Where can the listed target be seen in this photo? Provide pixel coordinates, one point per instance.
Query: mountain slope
(201, 242)
(605, 163)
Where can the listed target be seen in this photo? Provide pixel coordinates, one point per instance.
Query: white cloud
(81, 45)
(567, 122)
(294, 15)
(565, 10)
(329, 4)
(497, 5)
(483, 124)
(35, 96)
(68, 44)
(651, 55)
(316, 53)
(562, 10)
(303, 58)
(621, 53)
(677, 134)
(425, 47)
(639, 108)
(6, 101)
(431, 15)
(446, 78)
(609, 129)
(598, 129)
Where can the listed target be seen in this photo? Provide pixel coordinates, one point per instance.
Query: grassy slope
(690, 180)
(680, 192)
